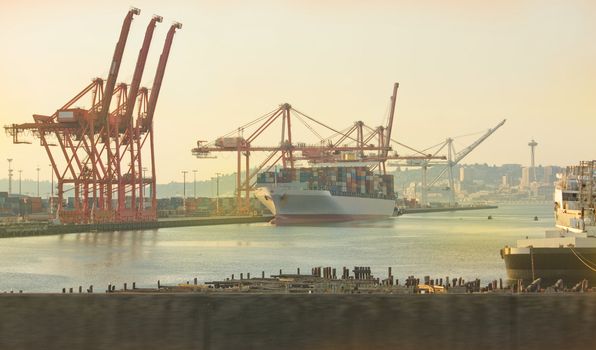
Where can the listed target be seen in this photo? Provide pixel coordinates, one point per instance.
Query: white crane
(453, 158)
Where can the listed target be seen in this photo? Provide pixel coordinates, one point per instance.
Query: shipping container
(354, 180)
(229, 142)
(71, 115)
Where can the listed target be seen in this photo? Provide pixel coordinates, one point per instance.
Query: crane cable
(308, 126)
(321, 124)
(249, 124)
(399, 143)
(470, 134)
(582, 261)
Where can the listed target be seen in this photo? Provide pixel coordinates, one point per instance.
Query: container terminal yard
(103, 158)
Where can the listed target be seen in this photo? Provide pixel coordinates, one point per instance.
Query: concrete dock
(43, 229)
(444, 209)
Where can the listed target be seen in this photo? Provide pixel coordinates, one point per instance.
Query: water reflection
(440, 244)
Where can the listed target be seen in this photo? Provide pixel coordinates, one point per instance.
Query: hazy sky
(462, 66)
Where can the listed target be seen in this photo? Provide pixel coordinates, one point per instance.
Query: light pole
(52, 197)
(20, 173)
(217, 192)
(9, 176)
(37, 180)
(144, 178)
(184, 183)
(195, 183)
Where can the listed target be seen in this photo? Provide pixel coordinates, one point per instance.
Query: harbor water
(455, 244)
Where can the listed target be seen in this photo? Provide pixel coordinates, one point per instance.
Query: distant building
(513, 172)
(508, 182)
(525, 178)
(549, 173)
(465, 175)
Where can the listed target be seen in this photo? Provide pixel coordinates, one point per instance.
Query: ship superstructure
(569, 251)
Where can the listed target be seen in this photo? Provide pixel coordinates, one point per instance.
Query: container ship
(326, 194)
(569, 251)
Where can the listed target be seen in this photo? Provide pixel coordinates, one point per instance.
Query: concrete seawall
(199, 321)
(437, 210)
(44, 230)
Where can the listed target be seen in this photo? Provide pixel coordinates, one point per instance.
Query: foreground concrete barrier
(198, 321)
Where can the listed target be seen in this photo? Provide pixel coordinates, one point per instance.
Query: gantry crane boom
(463, 153)
(116, 60)
(389, 127)
(140, 67)
(161, 68)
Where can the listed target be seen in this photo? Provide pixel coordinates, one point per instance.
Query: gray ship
(569, 251)
(326, 194)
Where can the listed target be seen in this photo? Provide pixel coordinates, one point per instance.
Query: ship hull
(291, 219)
(296, 207)
(550, 264)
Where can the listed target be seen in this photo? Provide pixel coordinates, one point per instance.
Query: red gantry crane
(99, 154)
(356, 144)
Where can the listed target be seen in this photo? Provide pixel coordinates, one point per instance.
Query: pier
(359, 280)
(444, 209)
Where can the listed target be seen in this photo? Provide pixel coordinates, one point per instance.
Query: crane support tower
(99, 153)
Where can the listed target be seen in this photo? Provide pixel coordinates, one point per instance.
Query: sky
(462, 66)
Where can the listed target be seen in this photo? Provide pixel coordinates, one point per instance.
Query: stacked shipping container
(337, 180)
(202, 206)
(19, 205)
